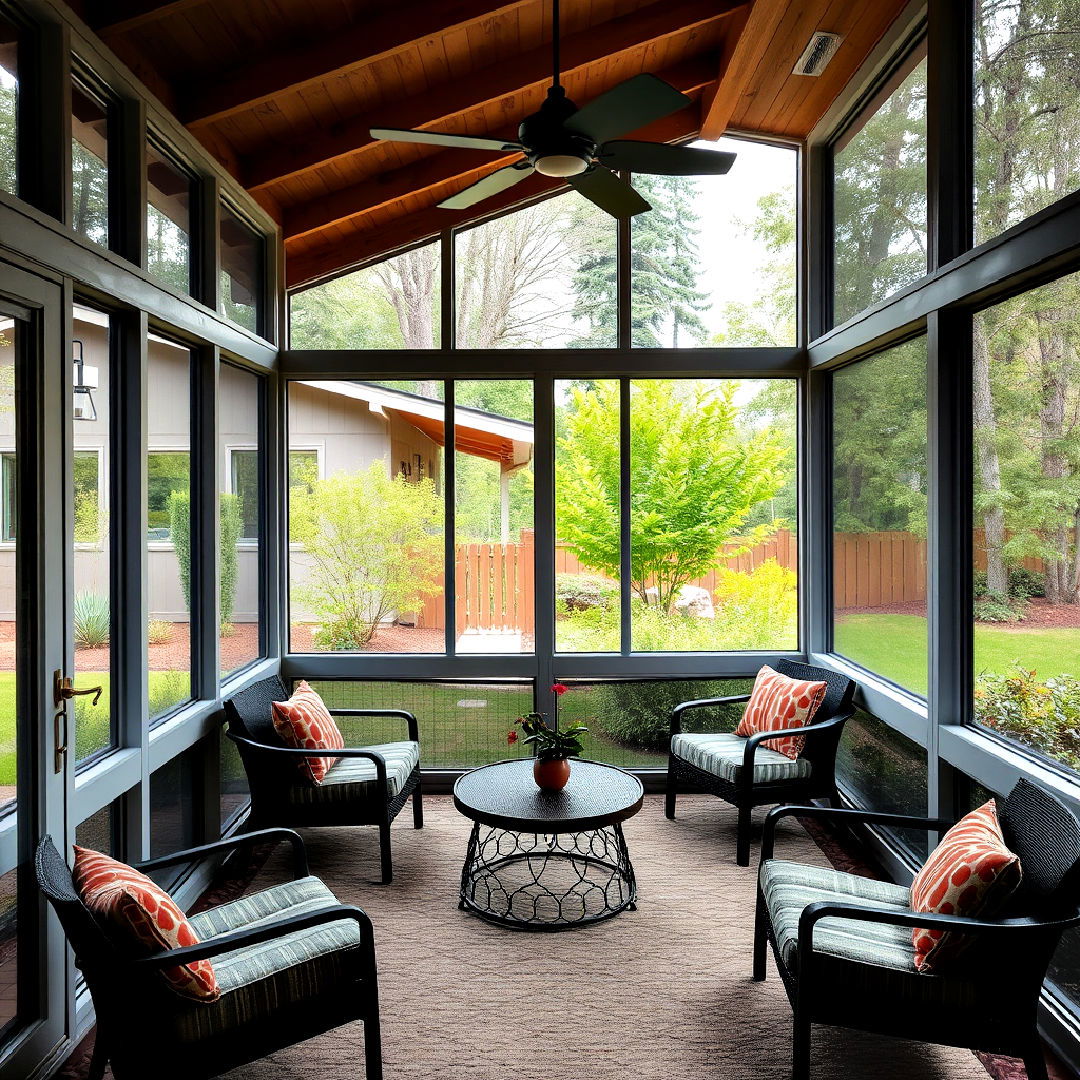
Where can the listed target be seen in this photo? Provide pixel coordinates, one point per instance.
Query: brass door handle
(64, 690)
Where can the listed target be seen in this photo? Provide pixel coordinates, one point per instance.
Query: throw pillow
(778, 702)
(142, 916)
(971, 872)
(304, 722)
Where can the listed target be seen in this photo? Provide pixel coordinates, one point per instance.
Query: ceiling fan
(582, 145)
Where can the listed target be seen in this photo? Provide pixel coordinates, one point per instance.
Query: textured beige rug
(663, 992)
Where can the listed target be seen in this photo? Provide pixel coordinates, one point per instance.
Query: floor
(662, 993)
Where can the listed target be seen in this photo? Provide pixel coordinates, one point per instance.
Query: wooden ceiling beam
(739, 66)
(111, 18)
(394, 29)
(460, 165)
(653, 23)
(409, 229)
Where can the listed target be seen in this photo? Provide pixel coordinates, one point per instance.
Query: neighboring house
(333, 427)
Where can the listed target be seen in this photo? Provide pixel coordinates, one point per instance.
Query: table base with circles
(547, 860)
(547, 882)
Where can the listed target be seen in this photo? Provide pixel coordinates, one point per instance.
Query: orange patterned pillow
(971, 872)
(304, 722)
(778, 702)
(144, 914)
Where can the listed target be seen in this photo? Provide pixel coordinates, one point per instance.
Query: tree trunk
(1054, 465)
(985, 421)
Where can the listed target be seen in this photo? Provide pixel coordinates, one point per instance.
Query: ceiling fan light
(560, 165)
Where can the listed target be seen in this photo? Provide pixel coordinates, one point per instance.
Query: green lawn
(895, 646)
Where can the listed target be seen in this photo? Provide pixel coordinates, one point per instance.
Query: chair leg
(1035, 1063)
(384, 849)
(98, 1060)
(800, 1049)
(669, 795)
(835, 801)
(372, 1046)
(742, 846)
(418, 806)
(761, 941)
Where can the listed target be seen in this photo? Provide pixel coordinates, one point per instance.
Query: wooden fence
(495, 581)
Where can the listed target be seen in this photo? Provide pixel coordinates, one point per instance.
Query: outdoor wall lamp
(86, 380)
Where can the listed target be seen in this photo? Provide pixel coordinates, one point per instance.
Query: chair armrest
(294, 751)
(812, 914)
(871, 817)
(300, 863)
(746, 777)
(701, 703)
(414, 728)
(257, 934)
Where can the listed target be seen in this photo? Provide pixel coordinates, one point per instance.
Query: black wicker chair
(747, 774)
(291, 962)
(368, 786)
(861, 973)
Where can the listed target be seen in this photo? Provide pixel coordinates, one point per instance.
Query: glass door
(35, 766)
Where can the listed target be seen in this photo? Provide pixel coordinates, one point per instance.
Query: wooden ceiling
(283, 92)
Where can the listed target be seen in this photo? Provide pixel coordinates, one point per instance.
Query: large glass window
(493, 516)
(366, 534)
(238, 531)
(879, 200)
(393, 304)
(538, 278)
(1027, 520)
(879, 475)
(242, 251)
(89, 163)
(168, 218)
(9, 103)
(168, 509)
(175, 791)
(1027, 109)
(713, 262)
(9, 331)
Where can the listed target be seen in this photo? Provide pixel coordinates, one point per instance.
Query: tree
(373, 544)
(694, 480)
(666, 303)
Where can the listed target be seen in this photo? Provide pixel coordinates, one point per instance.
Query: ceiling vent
(818, 53)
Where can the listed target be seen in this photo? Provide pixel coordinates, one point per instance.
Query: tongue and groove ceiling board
(283, 92)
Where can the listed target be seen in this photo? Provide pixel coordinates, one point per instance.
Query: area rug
(662, 992)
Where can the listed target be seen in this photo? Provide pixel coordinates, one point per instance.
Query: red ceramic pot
(551, 775)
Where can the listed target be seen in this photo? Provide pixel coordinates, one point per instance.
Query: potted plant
(554, 748)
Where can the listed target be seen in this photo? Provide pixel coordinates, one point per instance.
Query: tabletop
(505, 796)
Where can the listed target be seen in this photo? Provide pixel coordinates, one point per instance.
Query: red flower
(511, 737)
(559, 688)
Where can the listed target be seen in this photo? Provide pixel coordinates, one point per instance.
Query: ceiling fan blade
(662, 159)
(630, 105)
(609, 192)
(499, 180)
(442, 138)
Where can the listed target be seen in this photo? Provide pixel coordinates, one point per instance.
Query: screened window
(879, 514)
(393, 304)
(1027, 520)
(713, 262)
(168, 218)
(1027, 109)
(879, 195)
(9, 103)
(89, 163)
(174, 794)
(242, 253)
(540, 277)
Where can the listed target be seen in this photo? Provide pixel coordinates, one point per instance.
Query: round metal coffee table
(547, 860)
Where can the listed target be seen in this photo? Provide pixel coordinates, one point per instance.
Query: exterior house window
(244, 477)
(167, 472)
(87, 497)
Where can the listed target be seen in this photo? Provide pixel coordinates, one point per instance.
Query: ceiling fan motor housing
(551, 149)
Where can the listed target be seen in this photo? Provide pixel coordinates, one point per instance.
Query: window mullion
(625, 564)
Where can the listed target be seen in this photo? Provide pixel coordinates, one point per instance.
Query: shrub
(579, 592)
(230, 525)
(1023, 584)
(994, 608)
(90, 613)
(1044, 715)
(638, 714)
(159, 632)
(167, 690)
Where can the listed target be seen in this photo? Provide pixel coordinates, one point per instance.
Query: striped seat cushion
(274, 975)
(789, 887)
(722, 755)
